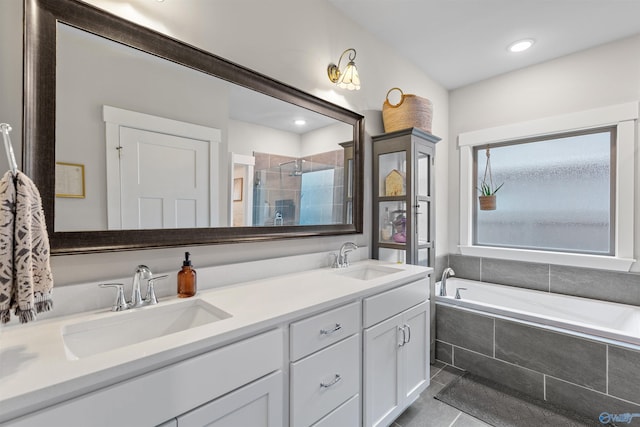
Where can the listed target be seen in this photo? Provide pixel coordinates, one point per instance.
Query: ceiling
(251, 106)
(459, 42)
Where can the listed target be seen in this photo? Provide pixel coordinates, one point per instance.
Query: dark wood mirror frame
(39, 126)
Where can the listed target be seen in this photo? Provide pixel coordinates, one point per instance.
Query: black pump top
(186, 262)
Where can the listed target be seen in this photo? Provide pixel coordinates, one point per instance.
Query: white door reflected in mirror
(160, 172)
(164, 181)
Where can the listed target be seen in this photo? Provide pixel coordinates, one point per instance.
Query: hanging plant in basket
(487, 197)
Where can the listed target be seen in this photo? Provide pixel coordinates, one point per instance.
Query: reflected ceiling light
(520, 45)
(347, 78)
(300, 122)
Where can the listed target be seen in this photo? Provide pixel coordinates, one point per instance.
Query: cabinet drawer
(324, 329)
(324, 380)
(348, 414)
(382, 306)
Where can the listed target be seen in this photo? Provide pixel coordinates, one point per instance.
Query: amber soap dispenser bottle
(186, 279)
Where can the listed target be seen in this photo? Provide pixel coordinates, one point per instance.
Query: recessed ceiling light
(300, 122)
(520, 45)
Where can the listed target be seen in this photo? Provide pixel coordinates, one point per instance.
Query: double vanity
(324, 347)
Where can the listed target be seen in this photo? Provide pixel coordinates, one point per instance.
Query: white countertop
(36, 372)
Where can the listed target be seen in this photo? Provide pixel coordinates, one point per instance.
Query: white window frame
(625, 118)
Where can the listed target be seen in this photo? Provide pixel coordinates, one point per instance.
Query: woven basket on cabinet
(411, 111)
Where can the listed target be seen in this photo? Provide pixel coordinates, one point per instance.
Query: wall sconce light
(347, 78)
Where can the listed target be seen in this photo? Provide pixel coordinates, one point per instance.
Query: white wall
(290, 40)
(245, 138)
(598, 77)
(92, 72)
(323, 140)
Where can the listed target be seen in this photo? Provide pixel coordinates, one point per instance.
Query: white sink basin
(368, 272)
(91, 337)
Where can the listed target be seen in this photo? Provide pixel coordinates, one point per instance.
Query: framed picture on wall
(70, 180)
(237, 189)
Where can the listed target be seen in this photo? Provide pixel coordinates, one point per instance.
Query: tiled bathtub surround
(581, 374)
(582, 282)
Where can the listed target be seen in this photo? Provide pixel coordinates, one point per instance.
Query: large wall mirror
(137, 140)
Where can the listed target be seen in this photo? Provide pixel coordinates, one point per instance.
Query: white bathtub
(606, 320)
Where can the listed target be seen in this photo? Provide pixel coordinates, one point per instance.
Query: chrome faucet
(458, 292)
(120, 303)
(142, 272)
(150, 298)
(448, 272)
(278, 219)
(342, 260)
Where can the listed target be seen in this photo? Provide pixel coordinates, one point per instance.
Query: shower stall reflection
(298, 191)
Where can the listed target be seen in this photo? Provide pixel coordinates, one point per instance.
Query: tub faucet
(343, 260)
(142, 272)
(448, 272)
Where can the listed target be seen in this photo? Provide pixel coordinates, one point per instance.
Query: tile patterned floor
(429, 412)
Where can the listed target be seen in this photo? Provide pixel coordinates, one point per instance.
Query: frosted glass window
(558, 194)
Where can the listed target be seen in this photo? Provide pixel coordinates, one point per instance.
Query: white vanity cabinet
(396, 351)
(155, 397)
(348, 350)
(325, 368)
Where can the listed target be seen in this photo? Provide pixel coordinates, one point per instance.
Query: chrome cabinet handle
(331, 383)
(404, 336)
(331, 331)
(408, 328)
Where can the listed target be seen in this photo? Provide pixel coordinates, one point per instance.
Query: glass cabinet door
(392, 206)
(392, 238)
(423, 199)
(403, 217)
(392, 181)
